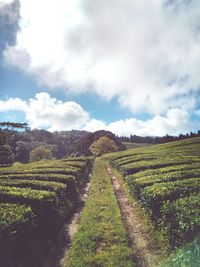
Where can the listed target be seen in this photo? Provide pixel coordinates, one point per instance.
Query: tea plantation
(166, 180)
(35, 200)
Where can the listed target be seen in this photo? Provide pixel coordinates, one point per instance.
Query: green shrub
(17, 223)
(182, 217)
(153, 196)
(34, 198)
(40, 185)
(69, 170)
(40, 153)
(155, 164)
(13, 214)
(167, 170)
(187, 256)
(140, 183)
(60, 178)
(131, 159)
(164, 175)
(6, 155)
(50, 188)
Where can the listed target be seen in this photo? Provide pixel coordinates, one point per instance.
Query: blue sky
(130, 67)
(25, 87)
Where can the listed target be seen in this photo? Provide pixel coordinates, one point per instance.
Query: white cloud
(9, 17)
(5, 2)
(95, 125)
(175, 122)
(145, 53)
(13, 104)
(46, 112)
(50, 113)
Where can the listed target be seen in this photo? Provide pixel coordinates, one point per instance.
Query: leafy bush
(153, 196)
(17, 223)
(13, 214)
(140, 183)
(40, 185)
(188, 256)
(155, 164)
(34, 198)
(103, 145)
(60, 178)
(182, 217)
(50, 189)
(165, 174)
(40, 153)
(66, 171)
(6, 155)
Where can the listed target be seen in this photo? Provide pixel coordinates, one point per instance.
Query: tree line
(158, 139)
(19, 143)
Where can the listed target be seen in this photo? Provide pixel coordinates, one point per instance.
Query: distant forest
(17, 141)
(157, 139)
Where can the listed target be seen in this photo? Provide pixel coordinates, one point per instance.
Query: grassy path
(101, 239)
(65, 237)
(145, 253)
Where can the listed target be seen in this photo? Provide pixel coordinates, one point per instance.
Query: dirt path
(58, 253)
(144, 253)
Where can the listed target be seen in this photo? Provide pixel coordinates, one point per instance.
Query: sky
(130, 67)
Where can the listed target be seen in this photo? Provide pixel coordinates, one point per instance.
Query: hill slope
(166, 180)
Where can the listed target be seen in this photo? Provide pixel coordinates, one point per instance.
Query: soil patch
(59, 252)
(145, 255)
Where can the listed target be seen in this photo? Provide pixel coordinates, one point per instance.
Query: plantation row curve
(35, 200)
(166, 181)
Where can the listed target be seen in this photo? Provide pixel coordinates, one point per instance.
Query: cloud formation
(175, 122)
(45, 112)
(5, 2)
(9, 18)
(145, 53)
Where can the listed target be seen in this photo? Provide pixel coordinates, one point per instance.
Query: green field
(166, 180)
(35, 200)
(129, 145)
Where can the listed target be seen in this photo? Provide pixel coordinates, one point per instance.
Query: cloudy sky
(132, 67)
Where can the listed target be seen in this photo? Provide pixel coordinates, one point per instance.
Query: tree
(40, 153)
(22, 151)
(13, 125)
(7, 130)
(85, 142)
(6, 155)
(103, 145)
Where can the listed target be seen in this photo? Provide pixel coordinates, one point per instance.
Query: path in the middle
(146, 255)
(57, 255)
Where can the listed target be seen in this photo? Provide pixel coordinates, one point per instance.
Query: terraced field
(35, 199)
(166, 180)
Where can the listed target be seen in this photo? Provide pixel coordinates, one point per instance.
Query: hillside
(130, 145)
(139, 206)
(165, 179)
(35, 201)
